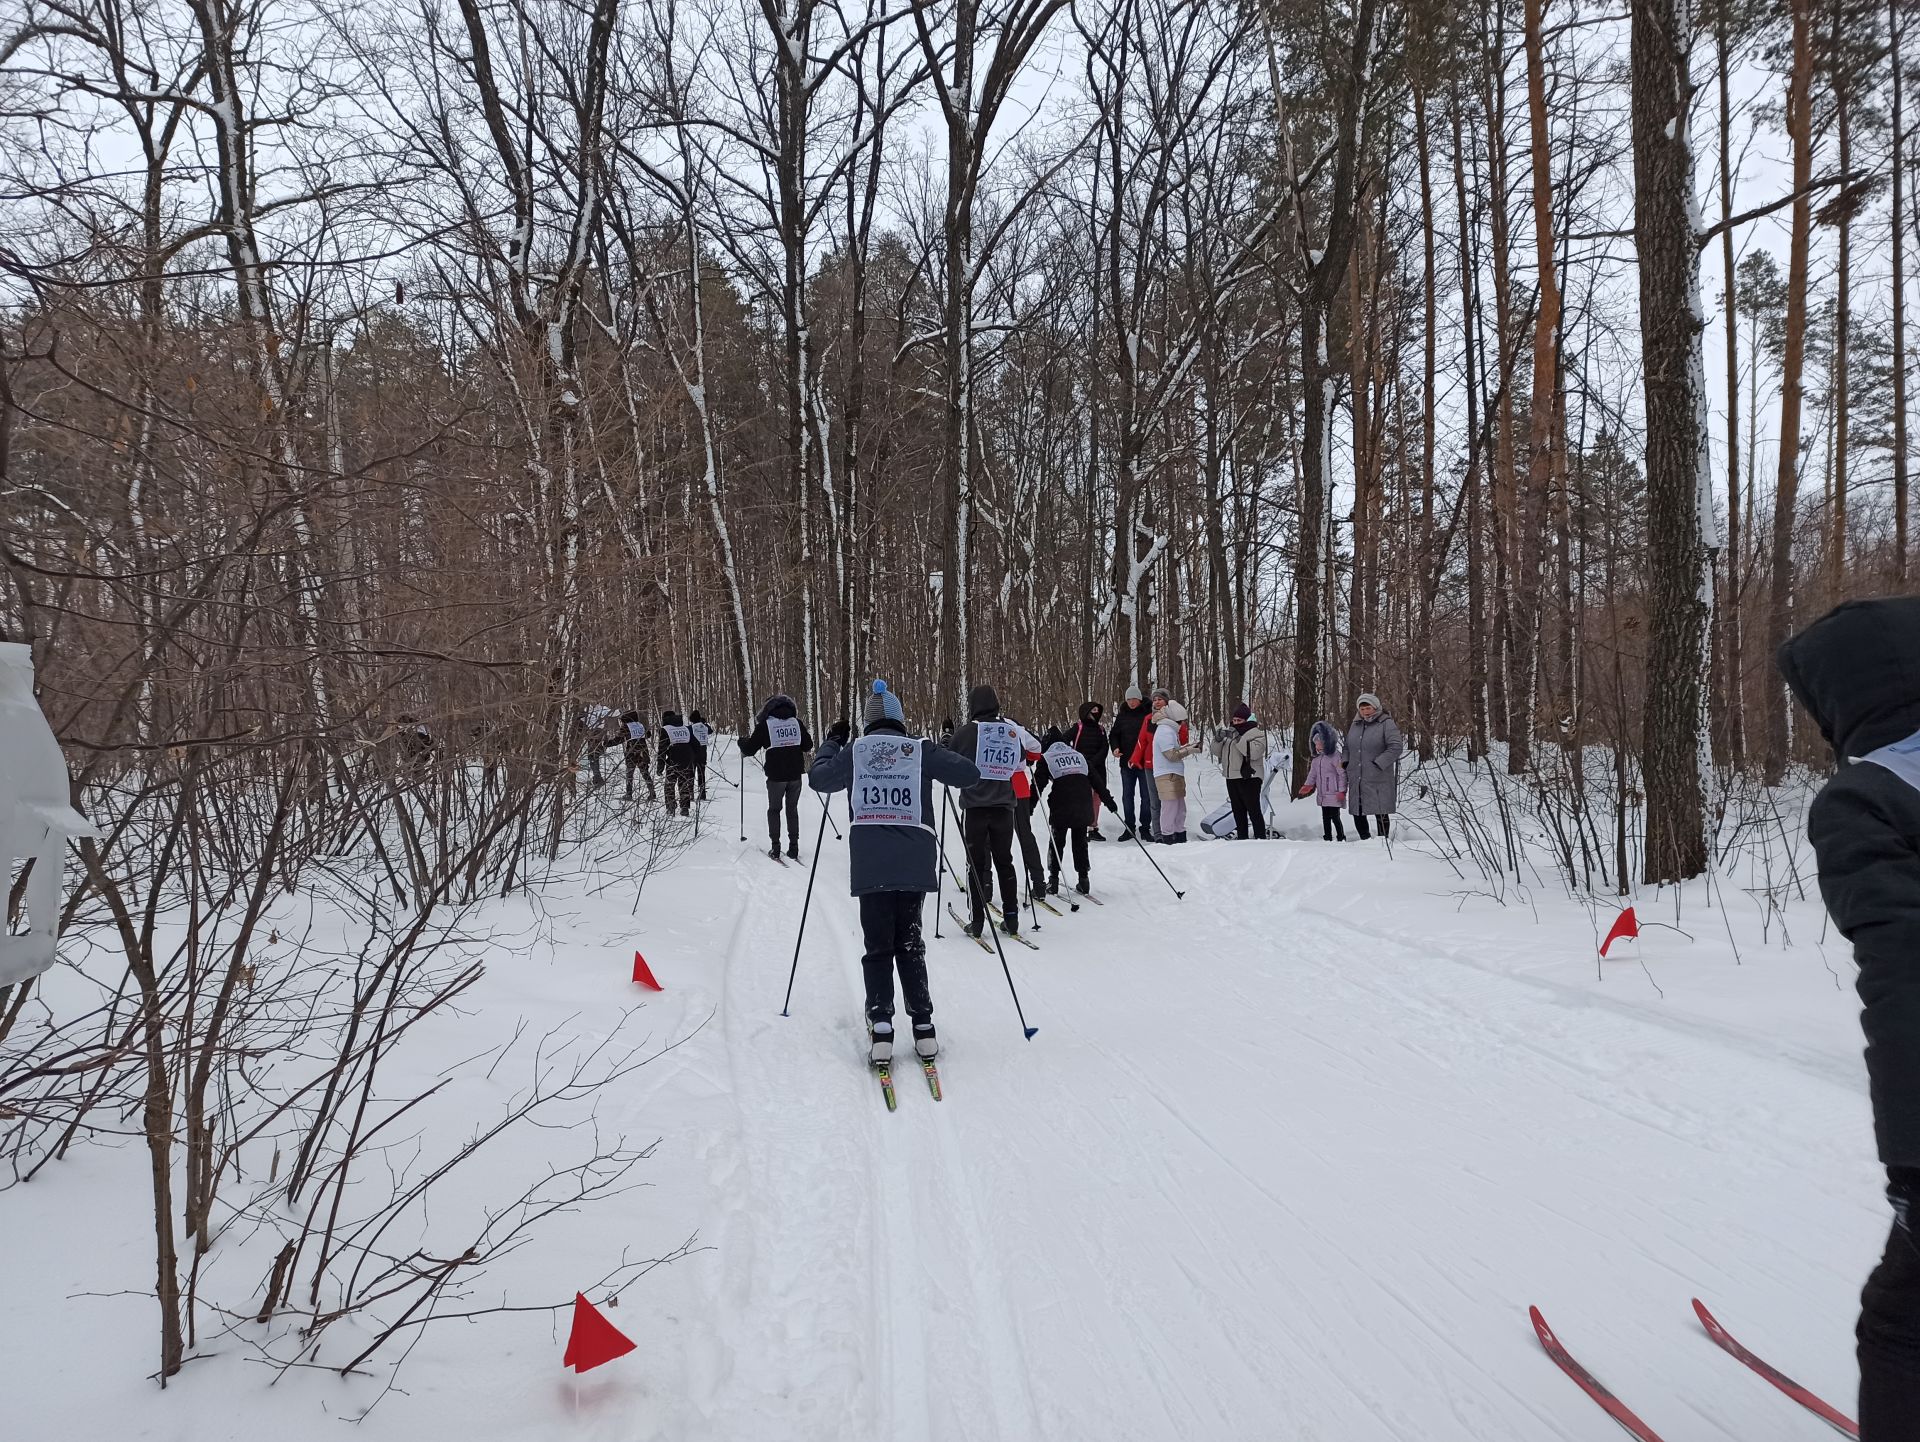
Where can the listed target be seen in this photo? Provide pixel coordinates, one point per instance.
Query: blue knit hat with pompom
(883, 705)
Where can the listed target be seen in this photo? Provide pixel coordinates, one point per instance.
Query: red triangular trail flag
(593, 1339)
(1625, 924)
(642, 974)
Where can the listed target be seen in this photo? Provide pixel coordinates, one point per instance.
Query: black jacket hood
(982, 702)
(1086, 712)
(1857, 671)
(780, 706)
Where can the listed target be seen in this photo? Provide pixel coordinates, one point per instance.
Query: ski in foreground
(1587, 1382)
(884, 1071)
(1728, 1344)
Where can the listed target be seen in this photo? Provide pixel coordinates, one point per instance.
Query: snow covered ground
(1287, 1159)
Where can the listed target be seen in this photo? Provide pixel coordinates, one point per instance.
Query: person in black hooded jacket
(1857, 671)
(702, 734)
(1089, 738)
(779, 731)
(679, 753)
(986, 807)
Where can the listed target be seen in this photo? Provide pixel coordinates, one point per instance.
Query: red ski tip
(1727, 1343)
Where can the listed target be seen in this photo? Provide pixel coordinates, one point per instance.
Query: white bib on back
(702, 732)
(997, 750)
(783, 731)
(1902, 758)
(886, 780)
(679, 735)
(636, 731)
(1063, 760)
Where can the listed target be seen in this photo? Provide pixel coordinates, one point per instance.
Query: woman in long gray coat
(1374, 749)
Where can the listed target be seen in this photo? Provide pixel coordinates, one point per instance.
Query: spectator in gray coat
(1374, 749)
(891, 857)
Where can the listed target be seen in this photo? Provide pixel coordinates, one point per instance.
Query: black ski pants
(1061, 833)
(989, 834)
(1332, 827)
(1244, 793)
(1029, 845)
(890, 926)
(638, 762)
(680, 790)
(784, 794)
(1360, 827)
(1889, 1330)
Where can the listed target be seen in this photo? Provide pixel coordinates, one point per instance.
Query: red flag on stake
(593, 1340)
(642, 974)
(1625, 924)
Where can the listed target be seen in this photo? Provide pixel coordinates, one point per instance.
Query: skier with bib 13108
(1857, 671)
(891, 854)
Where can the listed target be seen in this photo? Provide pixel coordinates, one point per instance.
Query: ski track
(1274, 1167)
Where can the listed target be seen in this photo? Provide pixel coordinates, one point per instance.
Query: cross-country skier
(779, 731)
(593, 721)
(987, 807)
(678, 752)
(1070, 812)
(1857, 671)
(633, 748)
(891, 854)
(702, 734)
(1025, 798)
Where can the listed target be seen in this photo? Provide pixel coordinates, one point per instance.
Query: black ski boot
(880, 1042)
(774, 851)
(793, 849)
(924, 1045)
(1082, 886)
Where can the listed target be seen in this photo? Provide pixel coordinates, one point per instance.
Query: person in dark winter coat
(1070, 810)
(593, 722)
(633, 749)
(891, 854)
(678, 753)
(987, 807)
(1089, 738)
(1242, 755)
(1374, 749)
(1857, 671)
(1132, 719)
(779, 731)
(702, 734)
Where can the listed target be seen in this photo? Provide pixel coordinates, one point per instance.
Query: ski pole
(1053, 849)
(827, 812)
(1178, 893)
(940, 879)
(794, 970)
(743, 796)
(987, 921)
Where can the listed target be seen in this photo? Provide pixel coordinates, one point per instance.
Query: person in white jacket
(1171, 748)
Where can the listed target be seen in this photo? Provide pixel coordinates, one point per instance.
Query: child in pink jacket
(1328, 777)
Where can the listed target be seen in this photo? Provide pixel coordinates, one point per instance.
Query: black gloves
(840, 733)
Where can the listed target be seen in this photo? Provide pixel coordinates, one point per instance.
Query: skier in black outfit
(779, 731)
(1857, 671)
(891, 858)
(1089, 738)
(702, 734)
(634, 749)
(1070, 812)
(678, 753)
(986, 807)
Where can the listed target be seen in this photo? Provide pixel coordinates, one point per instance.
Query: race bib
(997, 750)
(1063, 760)
(886, 780)
(783, 731)
(702, 732)
(679, 735)
(636, 731)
